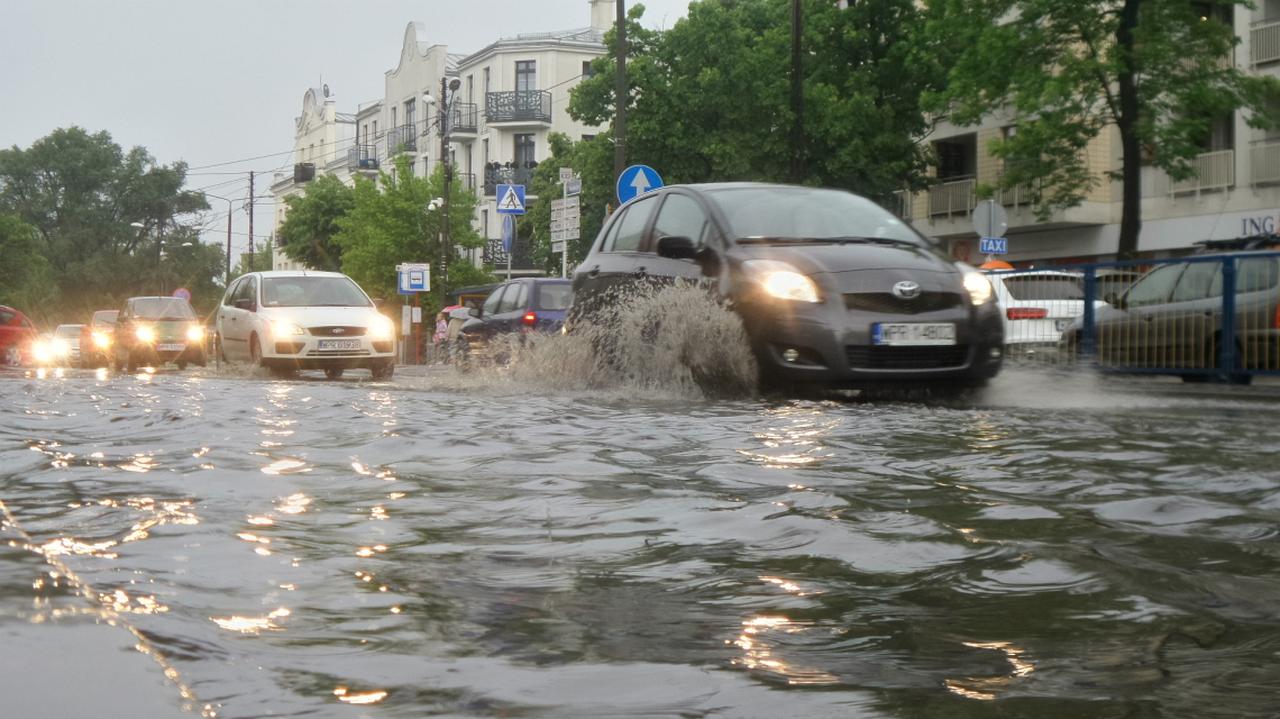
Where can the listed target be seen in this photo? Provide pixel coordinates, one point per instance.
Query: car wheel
(217, 344)
(333, 372)
(255, 352)
(383, 371)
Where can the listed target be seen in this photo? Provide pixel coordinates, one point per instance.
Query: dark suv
(517, 308)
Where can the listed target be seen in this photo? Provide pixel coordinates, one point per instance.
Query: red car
(16, 336)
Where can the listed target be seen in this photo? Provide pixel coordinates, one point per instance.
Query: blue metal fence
(1203, 317)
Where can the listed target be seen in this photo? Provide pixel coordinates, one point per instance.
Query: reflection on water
(291, 548)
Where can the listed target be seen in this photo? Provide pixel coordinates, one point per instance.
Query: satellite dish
(326, 89)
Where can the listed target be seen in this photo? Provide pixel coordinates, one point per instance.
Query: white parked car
(304, 320)
(1037, 305)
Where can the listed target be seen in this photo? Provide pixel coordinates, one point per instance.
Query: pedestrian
(438, 338)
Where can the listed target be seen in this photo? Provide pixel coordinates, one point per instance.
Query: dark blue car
(514, 309)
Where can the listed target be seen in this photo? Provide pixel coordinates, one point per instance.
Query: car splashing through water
(667, 341)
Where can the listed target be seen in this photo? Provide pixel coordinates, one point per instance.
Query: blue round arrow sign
(637, 180)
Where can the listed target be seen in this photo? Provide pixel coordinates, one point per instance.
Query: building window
(486, 81)
(485, 144)
(484, 222)
(393, 116)
(375, 130)
(588, 138)
(526, 75)
(410, 110)
(471, 86)
(586, 70)
(1220, 135)
(957, 157)
(525, 151)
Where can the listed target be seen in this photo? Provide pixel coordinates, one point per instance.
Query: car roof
(297, 273)
(1001, 274)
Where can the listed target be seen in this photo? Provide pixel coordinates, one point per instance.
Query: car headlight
(42, 351)
(195, 333)
(978, 286)
(101, 340)
(145, 333)
(286, 328)
(780, 280)
(59, 347)
(382, 329)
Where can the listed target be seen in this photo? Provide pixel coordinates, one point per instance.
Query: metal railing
(518, 106)
(498, 174)
(521, 255)
(955, 196)
(1264, 41)
(1216, 318)
(1266, 162)
(1214, 171)
(1022, 195)
(362, 157)
(464, 117)
(401, 139)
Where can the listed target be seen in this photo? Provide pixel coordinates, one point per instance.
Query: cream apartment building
(511, 95)
(1237, 192)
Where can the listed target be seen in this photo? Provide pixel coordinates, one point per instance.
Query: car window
(554, 296)
(1256, 273)
(67, 331)
(1154, 287)
(631, 227)
(1045, 287)
(163, 308)
(6, 317)
(248, 290)
(522, 297)
(105, 317)
(508, 303)
(1198, 282)
(681, 216)
(491, 303)
(230, 298)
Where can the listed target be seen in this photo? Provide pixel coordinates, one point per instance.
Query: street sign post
(637, 180)
(990, 222)
(566, 218)
(413, 277)
(510, 199)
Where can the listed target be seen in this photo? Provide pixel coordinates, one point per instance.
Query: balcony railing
(901, 204)
(499, 174)
(362, 157)
(1266, 162)
(464, 118)
(518, 106)
(401, 139)
(521, 255)
(1264, 39)
(952, 197)
(1214, 171)
(1023, 195)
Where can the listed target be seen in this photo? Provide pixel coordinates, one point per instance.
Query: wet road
(1066, 547)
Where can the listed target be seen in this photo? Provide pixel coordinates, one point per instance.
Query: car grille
(337, 353)
(876, 357)
(888, 303)
(337, 331)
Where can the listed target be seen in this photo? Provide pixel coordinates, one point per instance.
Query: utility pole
(444, 159)
(620, 94)
(251, 220)
(797, 94)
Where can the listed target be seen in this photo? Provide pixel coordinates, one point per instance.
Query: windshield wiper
(842, 240)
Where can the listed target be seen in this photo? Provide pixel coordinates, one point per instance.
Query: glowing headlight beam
(782, 281)
(978, 286)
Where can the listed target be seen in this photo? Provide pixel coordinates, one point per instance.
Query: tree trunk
(1130, 146)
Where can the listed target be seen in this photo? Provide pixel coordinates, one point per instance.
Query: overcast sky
(221, 80)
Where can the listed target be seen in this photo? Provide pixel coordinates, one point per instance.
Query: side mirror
(1114, 300)
(677, 248)
(245, 304)
(473, 311)
(379, 303)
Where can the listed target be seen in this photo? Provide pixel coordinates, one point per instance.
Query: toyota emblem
(906, 290)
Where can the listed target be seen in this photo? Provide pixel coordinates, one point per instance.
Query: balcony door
(526, 75)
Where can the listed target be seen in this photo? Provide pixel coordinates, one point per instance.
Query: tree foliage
(306, 235)
(389, 223)
(1159, 71)
(79, 193)
(709, 98)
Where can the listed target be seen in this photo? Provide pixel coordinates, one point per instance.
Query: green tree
(306, 235)
(389, 223)
(26, 280)
(709, 98)
(81, 193)
(261, 260)
(1158, 71)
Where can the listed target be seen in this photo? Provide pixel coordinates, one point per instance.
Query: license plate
(339, 344)
(1061, 325)
(171, 347)
(913, 333)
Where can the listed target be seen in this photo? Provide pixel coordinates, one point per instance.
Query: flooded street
(1065, 546)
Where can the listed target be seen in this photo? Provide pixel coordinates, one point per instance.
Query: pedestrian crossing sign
(510, 199)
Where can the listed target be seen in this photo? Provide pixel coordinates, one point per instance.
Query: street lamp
(228, 201)
(448, 88)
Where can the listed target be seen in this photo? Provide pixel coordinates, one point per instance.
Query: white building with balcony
(1236, 192)
(322, 139)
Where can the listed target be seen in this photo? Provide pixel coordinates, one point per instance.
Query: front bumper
(826, 344)
(315, 352)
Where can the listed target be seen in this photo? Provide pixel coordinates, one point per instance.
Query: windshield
(1045, 287)
(554, 296)
(163, 308)
(802, 213)
(105, 317)
(312, 292)
(67, 331)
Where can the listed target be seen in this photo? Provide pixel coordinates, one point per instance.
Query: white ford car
(287, 321)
